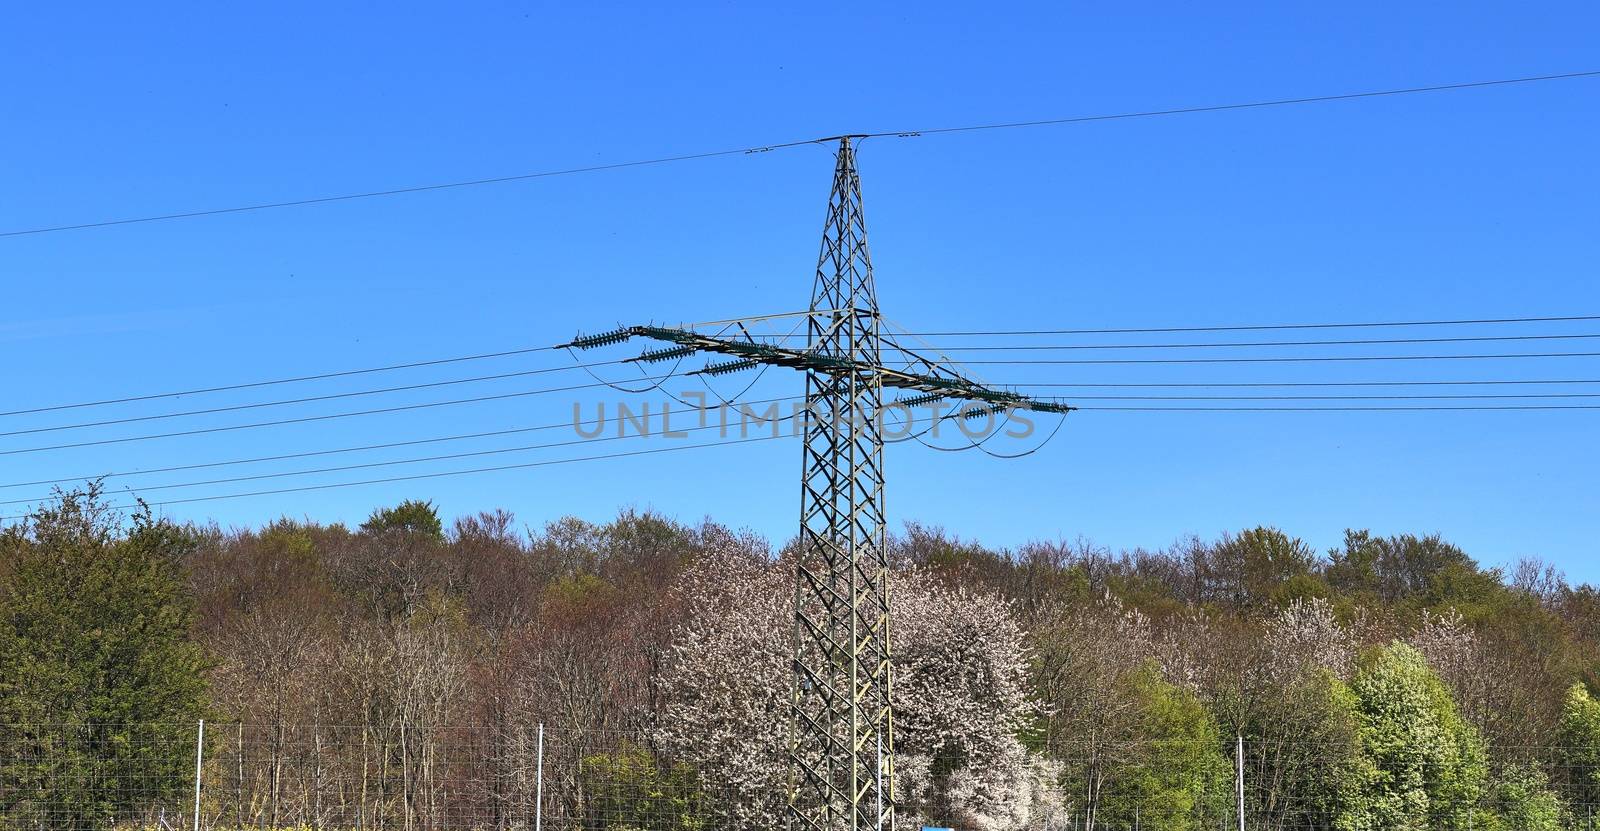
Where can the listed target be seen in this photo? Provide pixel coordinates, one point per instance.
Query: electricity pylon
(841, 748)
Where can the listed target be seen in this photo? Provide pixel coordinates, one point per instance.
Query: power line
(1279, 102)
(330, 452)
(418, 460)
(586, 422)
(1310, 359)
(770, 438)
(290, 401)
(441, 474)
(1127, 330)
(1330, 409)
(346, 197)
(1242, 384)
(1333, 397)
(1261, 344)
(297, 379)
(524, 351)
(302, 420)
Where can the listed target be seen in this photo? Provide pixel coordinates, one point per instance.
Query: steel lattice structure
(842, 742)
(841, 748)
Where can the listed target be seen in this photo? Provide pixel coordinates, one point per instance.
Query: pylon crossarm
(750, 354)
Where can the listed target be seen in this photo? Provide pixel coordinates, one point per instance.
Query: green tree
(1580, 746)
(1268, 565)
(630, 790)
(413, 516)
(1420, 765)
(1174, 775)
(100, 684)
(1523, 801)
(1393, 569)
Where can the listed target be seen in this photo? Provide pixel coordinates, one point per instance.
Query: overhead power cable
(306, 454)
(345, 373)
(1534, 397)
(1260, 327)
(1264, 344)
(1301, 359)
(588, 422)
(303, 420)
(418, 460)
(290, 401)
(1341, 409)
(1276, 102)
(545, 463)
(514, 352)
(908, 133)
(1244, 384)
(442, 474)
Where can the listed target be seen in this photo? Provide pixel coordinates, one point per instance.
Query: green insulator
(727, 367)
(603, 339)
(672, 353)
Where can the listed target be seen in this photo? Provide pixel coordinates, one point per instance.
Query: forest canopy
(1389, 682)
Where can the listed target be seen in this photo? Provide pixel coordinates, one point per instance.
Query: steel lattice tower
(841, 742)
(841, 733)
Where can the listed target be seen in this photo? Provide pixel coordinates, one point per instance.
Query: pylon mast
(841, 746)
(842, 742)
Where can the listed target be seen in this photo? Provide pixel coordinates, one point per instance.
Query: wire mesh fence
(530, 776)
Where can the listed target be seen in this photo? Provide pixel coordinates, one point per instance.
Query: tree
(1273, 687)
(630, 790)
(725, 687)
(413, 516)
(1580, 746)
(1260, 566)
(1394, 568)
(1175, 776)
(1420, 764)
(94, 655)
(960, 699)
(1083, 656)
(1523, 801)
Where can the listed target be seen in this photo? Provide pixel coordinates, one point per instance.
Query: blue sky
(1463, 204)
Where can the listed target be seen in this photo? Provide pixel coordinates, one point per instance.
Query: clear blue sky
(1463, 204)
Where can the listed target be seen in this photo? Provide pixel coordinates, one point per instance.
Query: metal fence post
(1239, 777)
(538, 784)
(199, 757)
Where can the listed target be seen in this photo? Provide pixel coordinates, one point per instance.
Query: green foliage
(94, 648)
(1580, 745)
(630, 790)
(1420, 765)
(1271, 566)
(1178, 777)
(412, 516)
(1393, 569)
(1299, 742)
(1523, 801)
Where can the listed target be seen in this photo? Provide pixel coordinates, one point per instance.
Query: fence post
(199, 756)
(1239, 777)
(538, 784)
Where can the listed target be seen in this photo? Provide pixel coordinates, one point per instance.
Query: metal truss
(841, 749)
